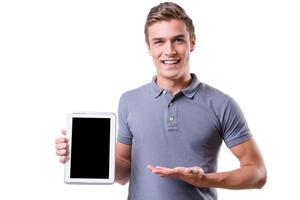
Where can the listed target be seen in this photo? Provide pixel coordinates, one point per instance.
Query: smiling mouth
(171, 62)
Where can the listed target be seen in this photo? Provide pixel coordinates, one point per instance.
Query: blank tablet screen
(90, 148)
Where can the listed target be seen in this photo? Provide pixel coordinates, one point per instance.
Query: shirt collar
(155, 89)
(189, 91)
(192, 89)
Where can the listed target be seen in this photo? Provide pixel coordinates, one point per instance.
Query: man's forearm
(251, 174)
(243, 178)
(123, 168)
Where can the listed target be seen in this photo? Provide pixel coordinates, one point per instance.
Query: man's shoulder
(138, 92)
(209, 92)
(213, 98)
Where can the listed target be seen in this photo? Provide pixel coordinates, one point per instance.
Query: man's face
(170, 46)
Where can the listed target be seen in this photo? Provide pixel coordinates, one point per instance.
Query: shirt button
(171, 119)
(171, 104)
(165, 92)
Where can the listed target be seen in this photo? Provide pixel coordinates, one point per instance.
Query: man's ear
(193, 43)
(149, 50)
(192, 48)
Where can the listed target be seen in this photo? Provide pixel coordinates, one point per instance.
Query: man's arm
(123, 163)
(251, 174)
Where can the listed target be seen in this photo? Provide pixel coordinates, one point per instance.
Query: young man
(173, 127)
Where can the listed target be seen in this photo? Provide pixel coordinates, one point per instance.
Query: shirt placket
(171, 114)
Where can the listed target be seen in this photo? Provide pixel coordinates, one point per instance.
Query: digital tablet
(92, 148)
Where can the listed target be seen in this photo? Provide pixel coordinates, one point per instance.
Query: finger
(61, 146)
(162, 168)
(160, 173)
(164, 171)
(63, 131)
(62, 152)
(63, 159)
(169, 172)
(185, 171)
(61, 140)
(150, 167)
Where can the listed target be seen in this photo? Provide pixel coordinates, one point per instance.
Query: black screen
(90, 148)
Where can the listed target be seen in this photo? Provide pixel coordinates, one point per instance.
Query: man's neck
(174, 85)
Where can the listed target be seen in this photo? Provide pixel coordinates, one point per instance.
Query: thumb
(196, 170)
(63, 131)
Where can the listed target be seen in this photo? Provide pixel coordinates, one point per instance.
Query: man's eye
(158, 42)
(179, 40)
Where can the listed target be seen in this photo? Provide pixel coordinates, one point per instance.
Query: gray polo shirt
(182, 130)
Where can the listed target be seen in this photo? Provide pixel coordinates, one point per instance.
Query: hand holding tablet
(92, 148)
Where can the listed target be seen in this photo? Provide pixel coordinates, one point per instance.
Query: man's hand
(191, 175)
(62, 147)
(251, 173)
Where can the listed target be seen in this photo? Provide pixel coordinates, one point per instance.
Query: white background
(61, 56)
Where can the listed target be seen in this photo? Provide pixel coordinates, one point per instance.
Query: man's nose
(169, 49)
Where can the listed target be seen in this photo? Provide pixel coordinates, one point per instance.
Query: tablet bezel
(110, 180)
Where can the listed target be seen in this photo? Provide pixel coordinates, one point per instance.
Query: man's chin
(170, 74)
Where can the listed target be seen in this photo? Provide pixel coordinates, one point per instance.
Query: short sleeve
(124, 133)
(234, 126)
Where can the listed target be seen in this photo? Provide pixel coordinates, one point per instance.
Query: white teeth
(170, 62)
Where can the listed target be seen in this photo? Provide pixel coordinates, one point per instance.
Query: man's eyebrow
(174, 37)
(157, 38)
(178, 36)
